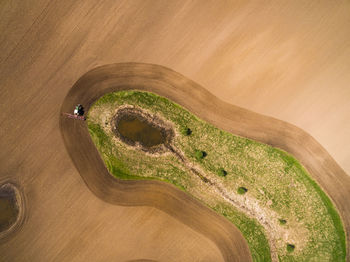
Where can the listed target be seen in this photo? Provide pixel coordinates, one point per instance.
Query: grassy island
(282, 213)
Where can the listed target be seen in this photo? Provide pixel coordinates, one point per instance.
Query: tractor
(78, 113)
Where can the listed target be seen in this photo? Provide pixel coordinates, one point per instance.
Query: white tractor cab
(78, 110)
(78, 113)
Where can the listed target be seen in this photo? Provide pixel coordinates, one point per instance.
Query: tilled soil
(294, 67)
(185, 92)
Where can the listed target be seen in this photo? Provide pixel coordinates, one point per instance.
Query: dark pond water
(8, 208)
(137, 129)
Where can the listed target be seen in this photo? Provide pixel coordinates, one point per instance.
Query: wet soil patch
(9, 210)
(138, 128)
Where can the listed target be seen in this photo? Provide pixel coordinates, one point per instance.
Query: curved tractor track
(239, 121)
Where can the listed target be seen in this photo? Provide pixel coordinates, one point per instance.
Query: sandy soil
(289, 60)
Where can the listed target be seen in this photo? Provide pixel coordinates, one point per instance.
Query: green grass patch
(252, 231)
(275, 179)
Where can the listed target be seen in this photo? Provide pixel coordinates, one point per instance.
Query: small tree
(200, 154)
(290, 247)
(222, 172)
(242, 190)
(186, 131)
(282, 221)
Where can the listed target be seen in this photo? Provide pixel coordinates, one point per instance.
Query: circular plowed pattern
(167, 83)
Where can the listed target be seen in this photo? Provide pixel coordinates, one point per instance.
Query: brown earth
(157, 194)
(287, 59)
(187, 93)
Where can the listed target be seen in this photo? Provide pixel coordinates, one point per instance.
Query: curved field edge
(119, 169)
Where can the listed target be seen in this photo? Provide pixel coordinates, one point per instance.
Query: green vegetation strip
(306, 225)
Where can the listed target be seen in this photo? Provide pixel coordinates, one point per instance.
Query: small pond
(8, 207)
(135, 127)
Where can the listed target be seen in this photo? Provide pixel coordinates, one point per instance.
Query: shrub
(200, 154)
(290, 247)
(242, 190)
(282, 221)
(186, 131)
(222, 172)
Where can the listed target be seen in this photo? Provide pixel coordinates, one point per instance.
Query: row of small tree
(200, 154)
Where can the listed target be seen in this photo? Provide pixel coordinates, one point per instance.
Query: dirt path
(196, 99)
(246, 207)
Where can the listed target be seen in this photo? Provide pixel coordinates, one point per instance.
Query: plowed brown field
(288, 60)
